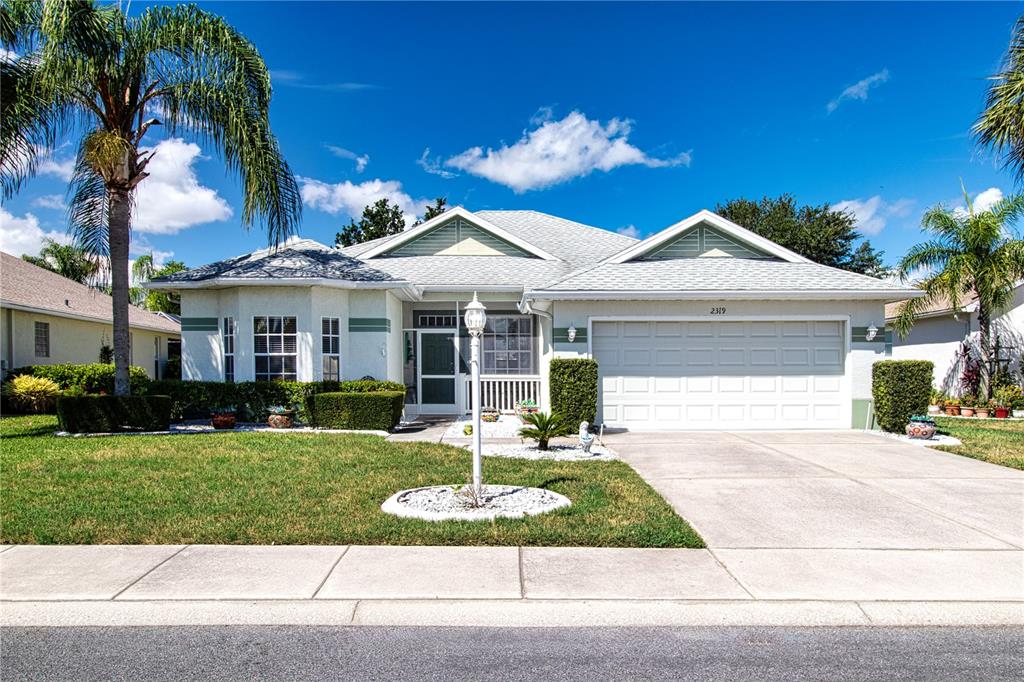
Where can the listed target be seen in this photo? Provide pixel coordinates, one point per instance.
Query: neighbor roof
(29, 287)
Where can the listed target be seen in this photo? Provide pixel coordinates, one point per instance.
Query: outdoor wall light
(872, 332)
(571, 331)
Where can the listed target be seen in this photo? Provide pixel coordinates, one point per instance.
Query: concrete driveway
(805, 514)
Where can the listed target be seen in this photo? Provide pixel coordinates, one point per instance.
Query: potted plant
(983, 409)
(280, 417)
(489, 414)
(524, 408)
(967, 405)
(937, 400)
(952, 407)
(1013, 398)
(921, 427)
(1003, 402)
(223, 418)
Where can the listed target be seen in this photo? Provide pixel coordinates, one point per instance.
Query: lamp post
(476, 318)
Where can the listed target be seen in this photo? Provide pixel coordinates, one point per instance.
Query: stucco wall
(75, 341)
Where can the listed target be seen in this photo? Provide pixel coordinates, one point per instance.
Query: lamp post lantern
(476, 318)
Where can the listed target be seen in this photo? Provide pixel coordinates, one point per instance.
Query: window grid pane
(42, 334)
(508, 345)
(275, 345)
(228, 331)
(330, 345)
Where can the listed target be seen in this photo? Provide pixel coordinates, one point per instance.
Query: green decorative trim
(200, 324)
(561, 335)
(862, 410)
(369, 324)
(860, 335)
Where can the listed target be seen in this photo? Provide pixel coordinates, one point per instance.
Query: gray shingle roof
(29, 286)
(711, 274)
(300, 259)
(527, 273)
(575, 243)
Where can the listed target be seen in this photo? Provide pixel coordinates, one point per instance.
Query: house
(940, 331)
(47, 319)
(703, 325)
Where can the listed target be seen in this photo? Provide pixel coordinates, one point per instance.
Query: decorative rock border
(447, 503)
(938, 439)
(507, 426)
(557, 453)
(194, 429)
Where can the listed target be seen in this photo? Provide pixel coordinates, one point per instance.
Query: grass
(990, 440)
(252, 488)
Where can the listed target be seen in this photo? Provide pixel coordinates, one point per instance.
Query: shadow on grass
(559, 479)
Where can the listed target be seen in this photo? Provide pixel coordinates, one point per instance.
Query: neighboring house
(939, 333)
(704, 325)
(46, 319)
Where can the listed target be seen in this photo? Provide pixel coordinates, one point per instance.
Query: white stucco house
(940, 331)
(704, 325)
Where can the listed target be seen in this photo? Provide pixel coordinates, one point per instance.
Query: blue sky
(622, 116)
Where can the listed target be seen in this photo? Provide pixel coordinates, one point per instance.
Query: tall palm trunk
(120, 219)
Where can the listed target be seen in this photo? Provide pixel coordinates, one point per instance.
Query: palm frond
(1001, 124)
(88, 207)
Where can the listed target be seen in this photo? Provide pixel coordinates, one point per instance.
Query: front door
(437, 372)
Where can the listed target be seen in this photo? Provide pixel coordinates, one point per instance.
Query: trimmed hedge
(376, 410)
(92, 378)
(109, 413)
(900, 389)
(574, 390)
(194, 399)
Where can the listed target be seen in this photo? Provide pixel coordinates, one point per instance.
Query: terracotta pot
(966, 411)
(1002, 413)
(280, 420)
(920, 430)
(223, 420)
(981, 412)
(952, 410)
(523, 411)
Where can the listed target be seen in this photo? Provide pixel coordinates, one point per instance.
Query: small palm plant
(542, 427)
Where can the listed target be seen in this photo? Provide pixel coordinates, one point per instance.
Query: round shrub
(27, 393)
(901, 389)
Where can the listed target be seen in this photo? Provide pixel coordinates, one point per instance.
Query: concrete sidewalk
(539, 586)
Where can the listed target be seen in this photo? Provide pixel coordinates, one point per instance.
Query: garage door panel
(721, 374)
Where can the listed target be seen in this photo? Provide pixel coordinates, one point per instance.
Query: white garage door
(722, 375)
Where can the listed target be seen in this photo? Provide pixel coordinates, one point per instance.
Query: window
(436, 321)
(330, 348)
(274, 346)
(42, 339)
(508, 345)
(228, 331)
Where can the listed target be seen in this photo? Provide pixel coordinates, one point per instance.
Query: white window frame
(43, 327)
(229, 337)
(489, 355)
(271, 375)
(330, 347)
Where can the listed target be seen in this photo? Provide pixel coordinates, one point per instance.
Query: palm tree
(67, 260)
(1001, 125)
(143, 270)
(973, 253)
(86, 68)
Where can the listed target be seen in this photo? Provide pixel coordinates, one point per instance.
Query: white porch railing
(502, 392)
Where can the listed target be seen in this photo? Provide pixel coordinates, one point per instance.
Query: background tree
(67, 260)
(972, 253)
(143, 270)
(819, 233)
(383, 219)
(87, 69)
(1001, 124)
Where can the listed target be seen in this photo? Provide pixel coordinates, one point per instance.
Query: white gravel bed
(446, 503)
(507, 426)
(558, 453)
(937, 439)
(197, 428)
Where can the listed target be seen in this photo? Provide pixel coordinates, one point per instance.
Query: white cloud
(434, 166)
(54, 201)
(49, 164)
(349, 199)
(870, 215)
(858, 90)
(559, 151)
(361, 159)
(629, 231)
(171, 198)
(987, 199)
(24, 235)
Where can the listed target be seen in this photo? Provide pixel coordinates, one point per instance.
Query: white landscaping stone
(446, 503)
(558, 453)
(507, 426)
(937, 439)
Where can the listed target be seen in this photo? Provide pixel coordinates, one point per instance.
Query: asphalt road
(549, 654)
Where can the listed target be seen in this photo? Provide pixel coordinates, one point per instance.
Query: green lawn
(250, 488)
(991, 440)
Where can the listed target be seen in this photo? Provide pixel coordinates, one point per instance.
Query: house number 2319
(718, 311)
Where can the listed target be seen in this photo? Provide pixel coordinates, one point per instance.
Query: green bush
(92, 378)
(110, 413)
(376, 410)
(26, 393)
(542, 427)
(194, 399)
(574, 390)
(901, 389)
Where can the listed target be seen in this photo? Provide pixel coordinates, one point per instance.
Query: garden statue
(586, 438)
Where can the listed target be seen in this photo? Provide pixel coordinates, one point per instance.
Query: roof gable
(486, 233)
(457, 237)
(726, 239)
